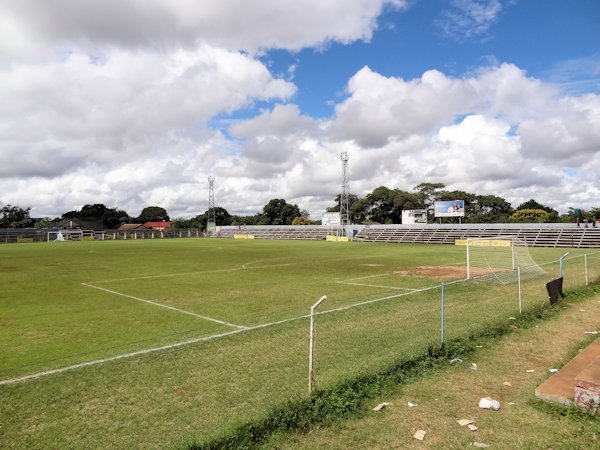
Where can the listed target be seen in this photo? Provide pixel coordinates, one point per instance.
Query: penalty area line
(166, 306)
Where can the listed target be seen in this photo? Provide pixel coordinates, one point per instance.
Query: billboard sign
(331, 219)
(414, 216)
(454, 208)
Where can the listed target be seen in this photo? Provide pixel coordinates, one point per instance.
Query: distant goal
(498, 259)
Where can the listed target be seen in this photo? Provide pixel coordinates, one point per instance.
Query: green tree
(15, 217)
(153, 214)
(180, 222)
(279, 212)
(222, 218)
(43, 222)
(532, 204)
(352, 198)
(529, 216)
(114, 217)
(381, 205)
(490, 209)
(428, 193)
(92, 212)
(301, 220)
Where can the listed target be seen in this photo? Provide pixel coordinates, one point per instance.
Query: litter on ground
(479, 445)
(488, 403)
(473, 366)
(463, 422)
(472, 427)
(381, 406)
(506, 383)
(420, 435)
(412, 405)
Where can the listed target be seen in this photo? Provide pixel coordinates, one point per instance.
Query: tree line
(276, 212)
(383, 205)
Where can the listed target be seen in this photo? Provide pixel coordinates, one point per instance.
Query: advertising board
(454, 208)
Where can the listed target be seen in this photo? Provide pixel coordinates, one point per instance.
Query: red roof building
(159, 226)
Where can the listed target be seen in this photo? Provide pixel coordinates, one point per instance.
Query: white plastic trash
(488, 403)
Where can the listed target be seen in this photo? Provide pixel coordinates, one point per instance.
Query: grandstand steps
(542, 236)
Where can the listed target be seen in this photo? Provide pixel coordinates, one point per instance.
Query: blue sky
(135, 103)
(557, 41)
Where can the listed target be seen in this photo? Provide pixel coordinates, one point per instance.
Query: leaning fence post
(311, 348)
(561, 263)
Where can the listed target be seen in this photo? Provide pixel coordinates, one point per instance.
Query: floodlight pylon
(344, 206)
(211, 219)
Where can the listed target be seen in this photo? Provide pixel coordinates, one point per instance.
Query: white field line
(166, 306)
(364, 278)
(166, 275)
(378, 286)
(266, 267)
(206, 338)
(348, 282)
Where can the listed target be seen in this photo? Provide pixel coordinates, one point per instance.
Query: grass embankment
(342, 417)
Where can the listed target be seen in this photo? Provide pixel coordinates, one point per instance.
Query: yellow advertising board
(243, 236)
(337, 238)
(484, 242)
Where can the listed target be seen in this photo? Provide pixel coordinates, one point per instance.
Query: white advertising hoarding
(453, 208)
(413, 216)
(331, 219)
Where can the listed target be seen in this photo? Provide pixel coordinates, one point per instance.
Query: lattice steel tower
(344, 208)
(211, 222)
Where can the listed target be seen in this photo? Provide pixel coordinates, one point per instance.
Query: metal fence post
(442, 312)
(311, 345)
(520, 299)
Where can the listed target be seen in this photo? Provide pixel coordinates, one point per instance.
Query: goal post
(498, 258)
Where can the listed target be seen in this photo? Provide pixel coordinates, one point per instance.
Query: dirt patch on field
(448, 272)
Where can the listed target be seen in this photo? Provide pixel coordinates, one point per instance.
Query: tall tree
(428, 193)
(153, 214)
(279, 212)
(532, 204)
(352, 198)
(490, 209)
(15, 217)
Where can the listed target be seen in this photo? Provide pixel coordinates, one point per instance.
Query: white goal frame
(499, 241)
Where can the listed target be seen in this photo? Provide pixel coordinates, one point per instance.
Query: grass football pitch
(166, 342)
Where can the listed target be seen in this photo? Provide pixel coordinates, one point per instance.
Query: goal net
(499, 259)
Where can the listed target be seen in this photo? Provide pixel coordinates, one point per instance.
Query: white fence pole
(311, 349)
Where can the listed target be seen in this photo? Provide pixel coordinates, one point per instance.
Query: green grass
(204, 390)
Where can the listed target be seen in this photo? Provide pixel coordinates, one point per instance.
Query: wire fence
(359, 340)
(30, 235)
